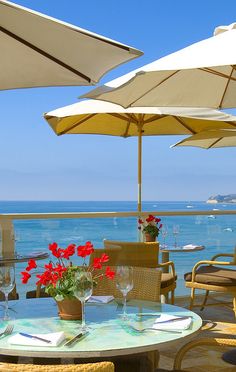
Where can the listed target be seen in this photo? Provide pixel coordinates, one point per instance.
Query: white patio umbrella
(37, 50)
(210, 139)
(201, 75)
(98, 117)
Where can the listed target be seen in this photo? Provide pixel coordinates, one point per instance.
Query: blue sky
(37, 165)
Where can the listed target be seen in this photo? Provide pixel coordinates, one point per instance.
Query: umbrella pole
(140, 235)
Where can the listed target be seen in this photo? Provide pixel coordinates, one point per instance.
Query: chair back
(147, 284)
(143, 254)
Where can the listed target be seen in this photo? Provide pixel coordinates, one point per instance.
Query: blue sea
(216, 234)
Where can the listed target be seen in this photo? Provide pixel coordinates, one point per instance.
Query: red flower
(104, 258)
(97, 263)
(68, 252)
(85, 250)
(49, 266)
(109, 273)
(140, 221)
(31, 265)
(25, 277)
(150, 218)
(55, 250)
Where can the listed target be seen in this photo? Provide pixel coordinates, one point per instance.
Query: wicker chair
(142, 289)
(190, 345)
(209, 277)
(88, 367)
(141, 254)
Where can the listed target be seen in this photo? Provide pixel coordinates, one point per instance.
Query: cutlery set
(9, 329)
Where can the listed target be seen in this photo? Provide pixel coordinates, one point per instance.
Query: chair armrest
(207, 262)
(222, 255)
(204, 341)
(168, 263)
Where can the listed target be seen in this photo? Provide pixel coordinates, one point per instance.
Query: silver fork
(153, 329)
(7, 331)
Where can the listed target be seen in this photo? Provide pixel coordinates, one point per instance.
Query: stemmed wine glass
(124, 282)
(164, 233)
(7, 283)
(175, 232)
(83, 290)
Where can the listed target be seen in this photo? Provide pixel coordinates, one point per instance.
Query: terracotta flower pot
(150, 238)
(70, 309)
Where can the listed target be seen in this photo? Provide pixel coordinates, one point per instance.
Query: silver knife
(75, 339)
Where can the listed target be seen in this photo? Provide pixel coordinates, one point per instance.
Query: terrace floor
(222, 324)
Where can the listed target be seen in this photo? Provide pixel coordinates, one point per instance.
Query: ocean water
(216, 234)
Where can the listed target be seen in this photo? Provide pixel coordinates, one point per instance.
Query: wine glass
(83, 290)
(164, 233)
(7, 283)
(175, 232)
(124, 282)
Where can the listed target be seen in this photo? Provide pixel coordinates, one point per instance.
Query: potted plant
(150, 227)
(60, 277)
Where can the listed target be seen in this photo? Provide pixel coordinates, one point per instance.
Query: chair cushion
(213, 275)
(167, 279)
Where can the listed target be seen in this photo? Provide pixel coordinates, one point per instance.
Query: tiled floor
(221, 324)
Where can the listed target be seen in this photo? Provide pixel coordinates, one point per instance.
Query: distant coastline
(230, 198)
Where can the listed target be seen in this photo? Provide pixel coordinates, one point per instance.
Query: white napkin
(56, 338)
(190, 246)
(100, 299)
(181, 324)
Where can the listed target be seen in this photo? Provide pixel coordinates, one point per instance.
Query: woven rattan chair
(147, 282)
(142, 254)
(190, 345)
(88, 367)
(213, 276)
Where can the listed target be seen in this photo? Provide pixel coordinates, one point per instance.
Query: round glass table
(108, 334)
(23, 258)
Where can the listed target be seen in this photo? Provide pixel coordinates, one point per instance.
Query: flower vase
(150, 238)
(70, 309)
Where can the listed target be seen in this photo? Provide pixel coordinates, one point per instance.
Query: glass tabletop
(108, 334)
(24, 258)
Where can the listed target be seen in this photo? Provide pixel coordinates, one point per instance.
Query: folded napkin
(100, 299)
(191, 246)
(180, 324)
(56, 338)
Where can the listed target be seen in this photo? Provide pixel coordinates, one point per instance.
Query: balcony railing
(26, 232)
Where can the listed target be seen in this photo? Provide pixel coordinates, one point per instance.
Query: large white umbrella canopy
(37, 50)
(99, 117)
(210, 139)
(201, 75)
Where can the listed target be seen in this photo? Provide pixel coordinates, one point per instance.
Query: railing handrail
(27, 216)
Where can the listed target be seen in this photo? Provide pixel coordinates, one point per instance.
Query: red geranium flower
(31, 265)
(109, 273)
(85, 250)
(59, 277)
(25, 277)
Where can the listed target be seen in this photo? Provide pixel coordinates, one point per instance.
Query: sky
(35, 164)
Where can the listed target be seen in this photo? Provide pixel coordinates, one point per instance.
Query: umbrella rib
(213, 144)
(45, 54)
(207, 69)
(76, 124)
(157, 85)
(181, 121)
(228, 81)
(124, 117)
(154, 118)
